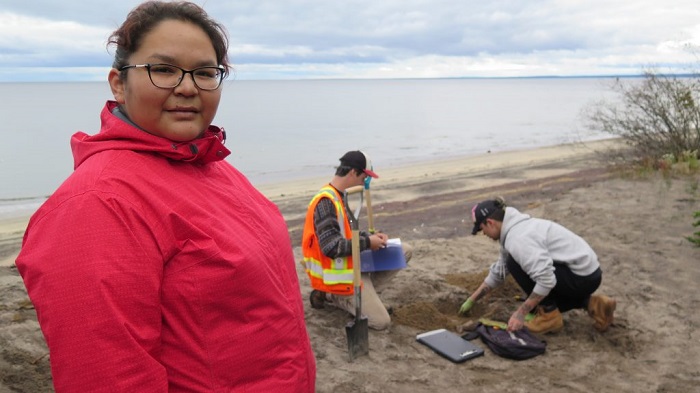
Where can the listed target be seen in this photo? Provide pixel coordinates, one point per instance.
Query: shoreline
(400, 184)
(468, 173)
(568, 154)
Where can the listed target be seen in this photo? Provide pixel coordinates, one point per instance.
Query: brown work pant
(378, 317)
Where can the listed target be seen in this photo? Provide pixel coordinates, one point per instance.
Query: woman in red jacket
(156, 266)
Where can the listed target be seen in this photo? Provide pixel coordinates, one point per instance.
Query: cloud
(389, 38)
(37, 42)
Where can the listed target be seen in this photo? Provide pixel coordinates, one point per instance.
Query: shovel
(358, 329)
(364, 194)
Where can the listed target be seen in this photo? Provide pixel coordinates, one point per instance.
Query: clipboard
(449, 345)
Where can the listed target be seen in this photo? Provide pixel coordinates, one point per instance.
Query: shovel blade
(358, 337)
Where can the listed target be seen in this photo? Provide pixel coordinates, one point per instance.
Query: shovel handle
(364, 189)
(355, 241)
(370, 218)
(354, 189)
(354, 225)
(356, 278)
(357, 331)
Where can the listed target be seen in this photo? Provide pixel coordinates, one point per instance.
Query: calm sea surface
(285, 130)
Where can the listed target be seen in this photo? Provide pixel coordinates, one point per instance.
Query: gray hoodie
(535, 244)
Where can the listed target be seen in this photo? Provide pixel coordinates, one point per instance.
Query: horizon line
(586, 76)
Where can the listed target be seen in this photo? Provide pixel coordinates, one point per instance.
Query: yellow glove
(466, 306)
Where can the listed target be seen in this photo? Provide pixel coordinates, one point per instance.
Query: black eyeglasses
(168, 76)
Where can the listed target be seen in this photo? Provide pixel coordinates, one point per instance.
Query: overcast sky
(49, 40)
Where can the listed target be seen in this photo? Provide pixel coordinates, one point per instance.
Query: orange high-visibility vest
(332, 275)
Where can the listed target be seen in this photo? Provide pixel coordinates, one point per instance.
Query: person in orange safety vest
(327, 246)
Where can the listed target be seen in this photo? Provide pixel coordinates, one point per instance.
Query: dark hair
(344, 170)
(142, 19)
(500, 211)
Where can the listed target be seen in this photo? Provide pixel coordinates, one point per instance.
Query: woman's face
(181, 113)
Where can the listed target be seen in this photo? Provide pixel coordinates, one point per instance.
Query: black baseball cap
(358, 160)
(480, 212)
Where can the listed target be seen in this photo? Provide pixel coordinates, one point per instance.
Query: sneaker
(317, 299)
(546, 322)
(601, 308)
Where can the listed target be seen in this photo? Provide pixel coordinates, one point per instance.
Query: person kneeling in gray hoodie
(556, 268)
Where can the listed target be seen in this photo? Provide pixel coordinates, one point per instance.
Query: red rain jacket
(157, 267)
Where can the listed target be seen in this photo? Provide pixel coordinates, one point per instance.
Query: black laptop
(449, 345)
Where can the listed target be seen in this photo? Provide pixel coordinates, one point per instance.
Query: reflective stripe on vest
(338, 271)
(329, 276)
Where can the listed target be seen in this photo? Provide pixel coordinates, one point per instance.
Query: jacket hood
(512, 217)
(116, 134)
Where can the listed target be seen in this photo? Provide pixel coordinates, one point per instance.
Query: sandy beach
(636, 224)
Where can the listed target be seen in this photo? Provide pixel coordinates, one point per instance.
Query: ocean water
(286, 130)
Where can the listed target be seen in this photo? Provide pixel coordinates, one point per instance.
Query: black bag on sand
(518, 345)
